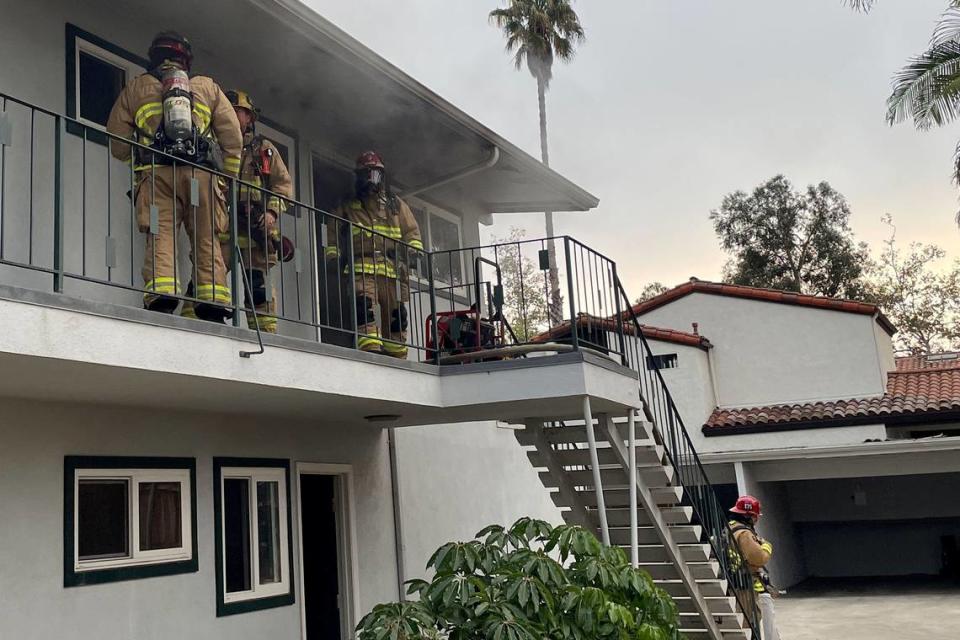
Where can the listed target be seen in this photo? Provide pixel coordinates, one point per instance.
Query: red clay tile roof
(767, 295)
(609, 324)
(918, 386)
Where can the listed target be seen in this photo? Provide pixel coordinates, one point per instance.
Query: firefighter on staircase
(756, 552)
(386, 246)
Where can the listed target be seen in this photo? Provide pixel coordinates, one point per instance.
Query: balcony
(71, 252)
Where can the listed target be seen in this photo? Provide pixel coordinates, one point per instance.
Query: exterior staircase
(672, 544)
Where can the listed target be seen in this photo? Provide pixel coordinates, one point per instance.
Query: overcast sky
(671, 104)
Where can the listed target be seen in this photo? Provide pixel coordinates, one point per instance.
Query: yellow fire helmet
(242, 99)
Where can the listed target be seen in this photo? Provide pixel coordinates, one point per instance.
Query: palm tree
(539, 32)
(927, 89)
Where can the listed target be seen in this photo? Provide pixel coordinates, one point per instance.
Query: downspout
(397, 514)
(453, 177)
(712, 371)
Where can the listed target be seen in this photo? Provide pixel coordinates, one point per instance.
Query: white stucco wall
(456, 479)
(766, 353)
(690, 386)
(36, 437)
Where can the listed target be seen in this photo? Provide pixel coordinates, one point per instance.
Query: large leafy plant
(530, 581)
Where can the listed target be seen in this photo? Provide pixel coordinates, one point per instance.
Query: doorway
(323, 574)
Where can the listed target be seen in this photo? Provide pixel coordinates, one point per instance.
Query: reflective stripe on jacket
(138, 112)
(376, 224)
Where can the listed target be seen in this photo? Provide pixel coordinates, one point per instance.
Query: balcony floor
(62, 349)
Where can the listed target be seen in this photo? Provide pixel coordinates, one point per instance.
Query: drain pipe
(453, 177)
(397, 514)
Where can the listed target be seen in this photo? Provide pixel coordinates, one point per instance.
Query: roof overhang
(354, 99)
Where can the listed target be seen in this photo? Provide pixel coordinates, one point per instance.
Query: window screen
(103, 518)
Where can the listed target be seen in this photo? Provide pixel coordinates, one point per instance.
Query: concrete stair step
(726, 621)
(656, 553)
(616, 498)
(708, 588)
(668, 571)
(716, 604)
(728, 634)
(614, 477)
(681, 534)
(649, 456)
(578, 433)
(620, 517)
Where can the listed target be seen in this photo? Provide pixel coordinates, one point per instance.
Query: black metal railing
(660, 409)
(69, 209)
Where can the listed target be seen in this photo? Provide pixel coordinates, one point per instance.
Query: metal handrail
(660, 409)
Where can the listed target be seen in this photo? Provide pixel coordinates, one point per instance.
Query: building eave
(300, 17)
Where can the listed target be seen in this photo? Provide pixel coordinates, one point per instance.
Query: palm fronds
(539, 31)
(928, 88)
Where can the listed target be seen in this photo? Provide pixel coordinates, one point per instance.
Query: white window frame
(257, 590)
(429, 212)
(136, 557)
(132, 69)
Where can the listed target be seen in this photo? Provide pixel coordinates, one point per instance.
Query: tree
(524, 286)
(539, 32)
(927, 89)
(651, 290)
(528, 582)
(922, 301)
(797, 241)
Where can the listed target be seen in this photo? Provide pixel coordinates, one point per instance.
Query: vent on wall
(664, 361)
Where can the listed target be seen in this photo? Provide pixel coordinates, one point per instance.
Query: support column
(595, 465)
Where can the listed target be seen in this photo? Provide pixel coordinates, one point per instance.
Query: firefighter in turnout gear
(386, 246)
(756, 552)
(191, 119)
(258, 230)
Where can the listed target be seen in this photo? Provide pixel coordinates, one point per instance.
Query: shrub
(528, 582)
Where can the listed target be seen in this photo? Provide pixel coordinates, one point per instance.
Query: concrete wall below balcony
(36, 437)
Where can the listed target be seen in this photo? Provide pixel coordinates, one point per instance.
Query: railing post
(574, 338)
(632, 441)
(235, 266)
(434, 326)
(353, 285)
(616, 297)
(58, 222)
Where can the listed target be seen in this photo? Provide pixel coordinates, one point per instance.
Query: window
(128, 518)
(665, 361)
(441, 232)
(97, 71)
(252, 511)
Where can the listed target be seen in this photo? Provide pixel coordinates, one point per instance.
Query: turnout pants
(167, 197)
(383, 294)
(768, 618)
(256, 264)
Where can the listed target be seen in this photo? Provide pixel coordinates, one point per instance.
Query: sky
(671, 104)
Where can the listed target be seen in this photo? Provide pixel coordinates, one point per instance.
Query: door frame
(347, 554)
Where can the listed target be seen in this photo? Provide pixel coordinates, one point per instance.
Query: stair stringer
(663, 530)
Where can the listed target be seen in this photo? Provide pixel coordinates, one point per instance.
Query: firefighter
(386, 245)
(258, 232)
(756, 552)
(190, 118)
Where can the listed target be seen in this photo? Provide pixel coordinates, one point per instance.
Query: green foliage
(921, 300)
(796, 241)
(539, 31)
(530, 581)
(525, 302)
